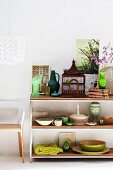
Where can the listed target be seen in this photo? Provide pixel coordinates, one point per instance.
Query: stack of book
(98, 93)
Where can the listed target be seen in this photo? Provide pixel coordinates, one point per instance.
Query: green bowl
(92, 145)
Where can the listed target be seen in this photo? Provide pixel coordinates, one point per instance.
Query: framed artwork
(87, 55)
(109, 78)
(66, 136)
(43, 70)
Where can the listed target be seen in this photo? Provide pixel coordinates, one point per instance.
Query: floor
(14, 163)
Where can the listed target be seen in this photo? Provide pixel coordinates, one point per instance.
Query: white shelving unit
(35, 127)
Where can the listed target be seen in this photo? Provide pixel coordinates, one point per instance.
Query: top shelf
(65, 98)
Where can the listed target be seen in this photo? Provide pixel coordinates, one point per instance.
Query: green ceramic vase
(102, 80)
(95, 109)
(53, 83)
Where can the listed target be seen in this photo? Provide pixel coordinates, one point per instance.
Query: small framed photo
(67, 136)
(43, 70)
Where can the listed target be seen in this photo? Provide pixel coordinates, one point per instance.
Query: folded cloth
(47, 149)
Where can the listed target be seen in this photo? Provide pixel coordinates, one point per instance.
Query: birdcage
(73, 82)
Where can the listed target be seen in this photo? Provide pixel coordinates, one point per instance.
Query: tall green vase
(102, 80)
(53, 83)
(36, 85)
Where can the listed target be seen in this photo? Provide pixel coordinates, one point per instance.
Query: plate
(78, 150)
(91, 123)
(70, 123)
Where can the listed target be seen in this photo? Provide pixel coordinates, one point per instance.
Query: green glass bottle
(53, 83)
(102, 80)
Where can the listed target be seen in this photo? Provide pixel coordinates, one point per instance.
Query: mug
(57, 122)
(65, 119)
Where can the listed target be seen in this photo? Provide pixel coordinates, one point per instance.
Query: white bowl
(44, 121)
(79, 119)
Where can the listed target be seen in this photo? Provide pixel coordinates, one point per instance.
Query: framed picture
(66, 136)
(43, 70)
(87, 55)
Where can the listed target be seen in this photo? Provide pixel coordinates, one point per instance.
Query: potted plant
(89, 63)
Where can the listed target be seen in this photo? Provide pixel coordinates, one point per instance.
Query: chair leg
(21, 145)
(19, 141)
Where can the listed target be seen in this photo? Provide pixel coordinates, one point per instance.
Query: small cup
(57, 122)
(65, 119)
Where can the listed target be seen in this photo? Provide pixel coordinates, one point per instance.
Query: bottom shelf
(75, 155)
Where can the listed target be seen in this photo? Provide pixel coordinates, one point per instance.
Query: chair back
(12, 112)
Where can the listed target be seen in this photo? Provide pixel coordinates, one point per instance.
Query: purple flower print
(107, 56)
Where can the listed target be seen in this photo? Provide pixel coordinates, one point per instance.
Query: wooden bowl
(92, 145)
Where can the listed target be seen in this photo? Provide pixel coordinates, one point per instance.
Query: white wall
(50, 28)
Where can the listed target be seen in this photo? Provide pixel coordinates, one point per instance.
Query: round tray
(78, 150)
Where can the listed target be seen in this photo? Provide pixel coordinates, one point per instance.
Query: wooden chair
(8, 123)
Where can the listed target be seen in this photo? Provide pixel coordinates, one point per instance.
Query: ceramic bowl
(44, 121)
(79, 119)
(92, 145)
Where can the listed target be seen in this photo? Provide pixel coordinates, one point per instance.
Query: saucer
(55, 94)
(91, 123)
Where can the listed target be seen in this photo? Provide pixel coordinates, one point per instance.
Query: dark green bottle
(53, 83)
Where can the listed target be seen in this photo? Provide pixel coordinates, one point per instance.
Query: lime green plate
(78, 150)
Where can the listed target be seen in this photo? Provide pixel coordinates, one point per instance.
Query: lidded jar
(79, 119)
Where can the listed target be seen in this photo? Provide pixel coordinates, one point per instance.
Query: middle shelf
(35, 125)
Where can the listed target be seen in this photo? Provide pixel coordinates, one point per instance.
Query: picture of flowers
(106, 59)
(87, 56)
